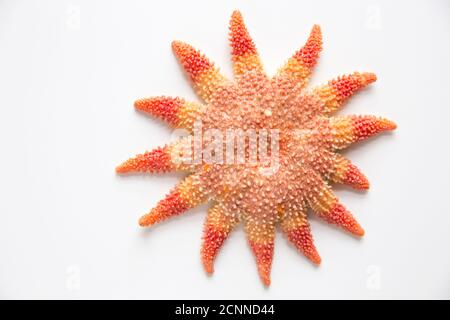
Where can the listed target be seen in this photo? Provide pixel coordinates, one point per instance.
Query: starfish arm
(205, 77)
(345, 172)
(177, 112)
(326, 205)
(345, 130)
(296, 227)
(171, 157)
(188, 194)
(333, 94)
(261, 238)
(243, 50)
(218, 225)
(299, 67)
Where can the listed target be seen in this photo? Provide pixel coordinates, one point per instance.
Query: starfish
(308, 139)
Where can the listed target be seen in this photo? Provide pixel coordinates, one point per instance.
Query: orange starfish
(307, 140)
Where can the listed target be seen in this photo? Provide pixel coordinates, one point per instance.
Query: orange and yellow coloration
(175, 111)
(309, 138)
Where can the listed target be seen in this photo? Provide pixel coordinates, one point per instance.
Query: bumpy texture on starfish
(309, 138)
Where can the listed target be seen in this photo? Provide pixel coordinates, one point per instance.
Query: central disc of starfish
(261, 149)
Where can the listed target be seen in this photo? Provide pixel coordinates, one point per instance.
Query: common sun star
(308, 140)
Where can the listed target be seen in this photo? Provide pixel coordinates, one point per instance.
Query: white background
(69, 73)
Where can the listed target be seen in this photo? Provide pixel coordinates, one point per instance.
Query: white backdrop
(69, 73)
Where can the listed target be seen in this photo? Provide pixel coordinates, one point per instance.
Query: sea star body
(307, 143)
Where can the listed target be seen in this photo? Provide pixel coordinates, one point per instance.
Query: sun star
(308, 159)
